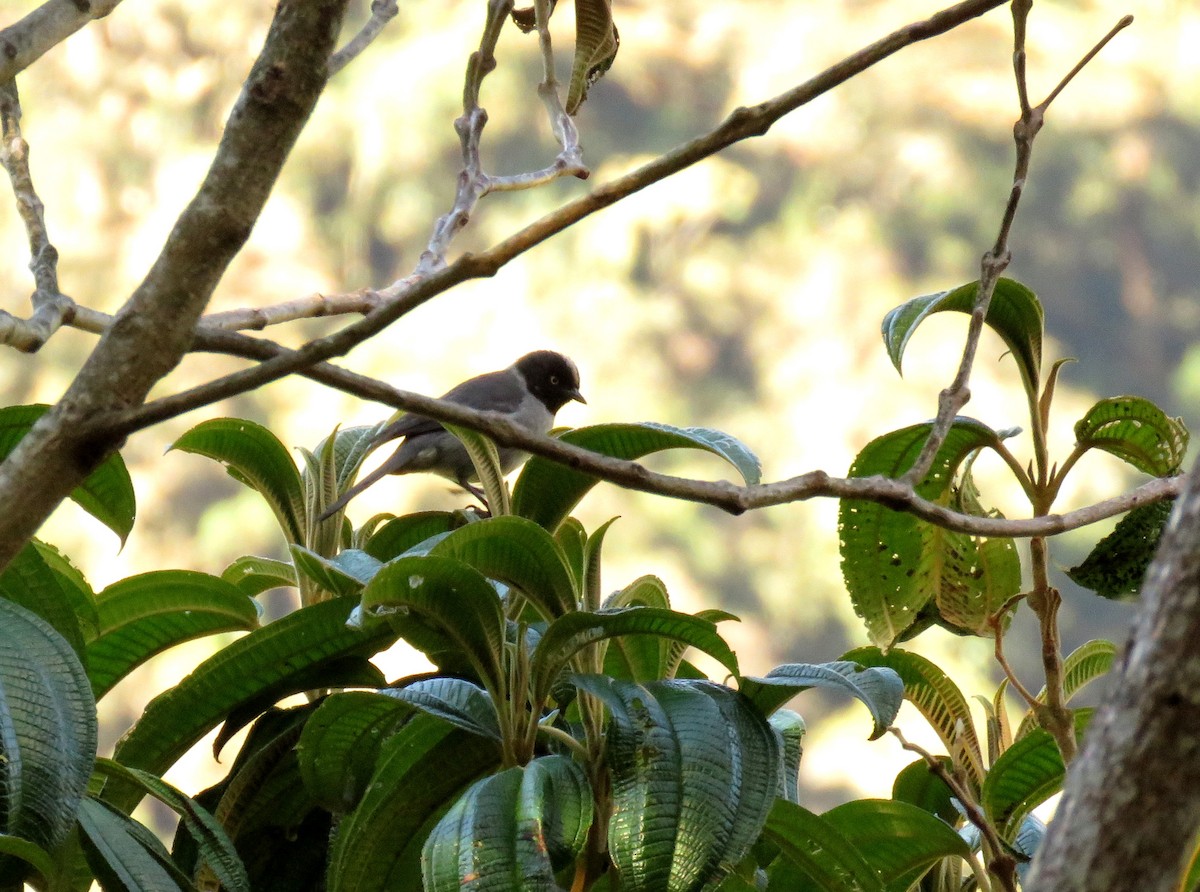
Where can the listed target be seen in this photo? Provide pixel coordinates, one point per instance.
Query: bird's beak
(577, 396)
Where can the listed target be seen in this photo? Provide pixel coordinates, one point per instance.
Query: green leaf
(31, 853)
(421, 771)
(400, 534)
(1117, 565)
(818, 850)
(214, 844)
(791, 730)
(1136, 431)
(455, 700)
(596, 42)
(106, 494)
(519, 553)
(900, 841)
(917, 785)
(511, 831)
(341, 742)
(47, 729)
(125, 856)
(879, 689)
(341, 575)
(891, 561)
(546, 492)
(569, 634)
(254, 456)
(695, 769)
(486, 460)
(254, 575)
(1088, 662)
(268, 661)
(1015, 313)
(31, 582)
(937, 698)
(143, 615)
(1027, 774)
(452, 597)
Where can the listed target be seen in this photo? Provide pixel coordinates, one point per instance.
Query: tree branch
(156, 326)
(382, 12)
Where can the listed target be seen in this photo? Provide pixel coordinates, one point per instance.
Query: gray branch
(26, 41)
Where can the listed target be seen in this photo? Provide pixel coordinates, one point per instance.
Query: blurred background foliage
(743, 294)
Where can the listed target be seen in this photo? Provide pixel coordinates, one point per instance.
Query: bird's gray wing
(495, 391)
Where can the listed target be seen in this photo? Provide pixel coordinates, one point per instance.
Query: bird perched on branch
(529, 392)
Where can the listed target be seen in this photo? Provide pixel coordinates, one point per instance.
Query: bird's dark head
(551, 377)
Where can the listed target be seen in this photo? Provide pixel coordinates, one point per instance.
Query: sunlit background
(744, 294)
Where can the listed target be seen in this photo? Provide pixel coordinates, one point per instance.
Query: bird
(530, 392)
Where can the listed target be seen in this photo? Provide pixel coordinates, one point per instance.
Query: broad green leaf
(351, 446)
(818, 851)
(519, 553)
(546, 492)
(638, 657)
(917, 785)
(31, 582)
(455, 700)
(254, 456)
(1088, 662)
(268, 661)
(399, 534)
(452, 597)
(1117, 565)
(512, 831)
(596, 43)
(900, 841)
(1015, 313)
(125, 856)
(106, 494)
(143, 615)
(341, 742)
(879, 689)
(1026, 775)
(1137, 431)
(695, 769)
(337, 576)
(892, 562)
(486, 459)
(214, 845)
(571, 633)
(254, 575)
(47, 729)
(13, 847)
(937, 698)
(421, 771)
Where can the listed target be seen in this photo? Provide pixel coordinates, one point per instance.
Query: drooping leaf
(106, 494)
(213, 843)
(546, 492)
(143, 615)
(511, 831)
(1026, 775)
(519, 553)
(1117, 565)
(30, 581)
(596, 43)
(421, 771)
(791, 729)
(254, 456)
(917, 785)
(455, 700)
(346, 574)
(569, 634)
(1015, 313)
(47, 729)
(125, 856)
(1136, 431)
(399, 534)
(879, 689)
(937, 698)
(891, 561)
(267, 661)
(13, 848)
(254, 575)
(695, 769)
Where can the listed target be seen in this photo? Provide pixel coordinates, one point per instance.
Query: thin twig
(1013, 682)
(50, 307)
(382, 12)
(24, 42)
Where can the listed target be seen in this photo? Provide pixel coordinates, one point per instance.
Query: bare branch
(314, 306)
(50, 307)
(26, 41)
(382, 12)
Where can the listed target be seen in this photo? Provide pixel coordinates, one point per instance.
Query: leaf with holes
(1136, 431)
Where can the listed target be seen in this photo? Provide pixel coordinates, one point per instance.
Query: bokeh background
(744, 294)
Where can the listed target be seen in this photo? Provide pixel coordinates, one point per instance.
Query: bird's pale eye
(554, 380)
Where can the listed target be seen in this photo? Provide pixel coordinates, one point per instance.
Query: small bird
(529, 392)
